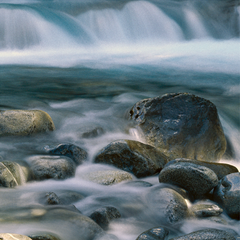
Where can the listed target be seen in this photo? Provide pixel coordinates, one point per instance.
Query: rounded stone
(207, 234)
(196, 179)
(180, 125)
(107, 177)
(227, 194)
(77, 154)
(12, 174)
(166, 205)
(157, 233)
(221, 169)
(55, 167)
(103, 216)
(24, 122)
(135, 157)
(44, 236)
(204, 209)
(13, 236)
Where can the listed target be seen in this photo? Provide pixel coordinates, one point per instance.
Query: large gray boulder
(181, 125)
(135, 157)
(24, 122)
(227, 194)
(55, 167)
(196, 179)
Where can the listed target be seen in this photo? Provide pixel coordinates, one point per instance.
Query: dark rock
(103, 216)
(68, 196)
(135, 157)
(24, 122)
(221, 169)
(138, 184)
(166, 205)
(181, 125)
(207, 234)
(44, 236)
(205, 209)
(47, 166)
(197, 180)
(227, 194)
(52, 198)
(12, 174)
(77, 154)
(92, 133)
(157, 233)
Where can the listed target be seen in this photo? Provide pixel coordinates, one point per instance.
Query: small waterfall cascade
(28, 24)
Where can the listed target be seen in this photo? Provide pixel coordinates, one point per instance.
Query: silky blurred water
(86, 63)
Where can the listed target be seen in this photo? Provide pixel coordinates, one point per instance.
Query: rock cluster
(183, 140)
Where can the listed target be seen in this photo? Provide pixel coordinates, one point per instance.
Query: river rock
(157, 233)
(44, 236)
(227, 194)
(205, 209)
(166, 205)
(24, 122)
(196, 179)
(107, 177)
(207, 234)
(103, 216)
(221, 169)
(135, 157)
(13, 236)
(12, 174)
(181, 125)
(77, 154)
(47, 166)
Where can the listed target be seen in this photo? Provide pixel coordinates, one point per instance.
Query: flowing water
(86, 63)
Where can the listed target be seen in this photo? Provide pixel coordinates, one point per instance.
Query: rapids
(86, 63)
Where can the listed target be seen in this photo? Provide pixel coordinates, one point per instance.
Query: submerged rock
(205, 209)
(166, 205)
(13, 236)
(227, 194)
(107, 177)
(12, 174)
(221, 169)
(157, 233)
(47, 166)
(207, 234)
(77, 154)
(135, 157)
(103, 216)
(24, 122)
(44, 236)
(181, 125)
(196, 179)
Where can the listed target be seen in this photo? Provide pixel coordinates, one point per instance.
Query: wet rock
(221, 169)
(13, 236)
(103, 216)
(158, 233)
(77, 154)
(52, 198)
(107, 177)
(166, 205)
(197, 180)
(206, 209)
(207, 234)
(138, 184)
(92, 133)
(135, 157)
(24, 122)
(227, 194)
(12, 174)
(44, 236)
(180, 125)
(47, 166)
(68, 196)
